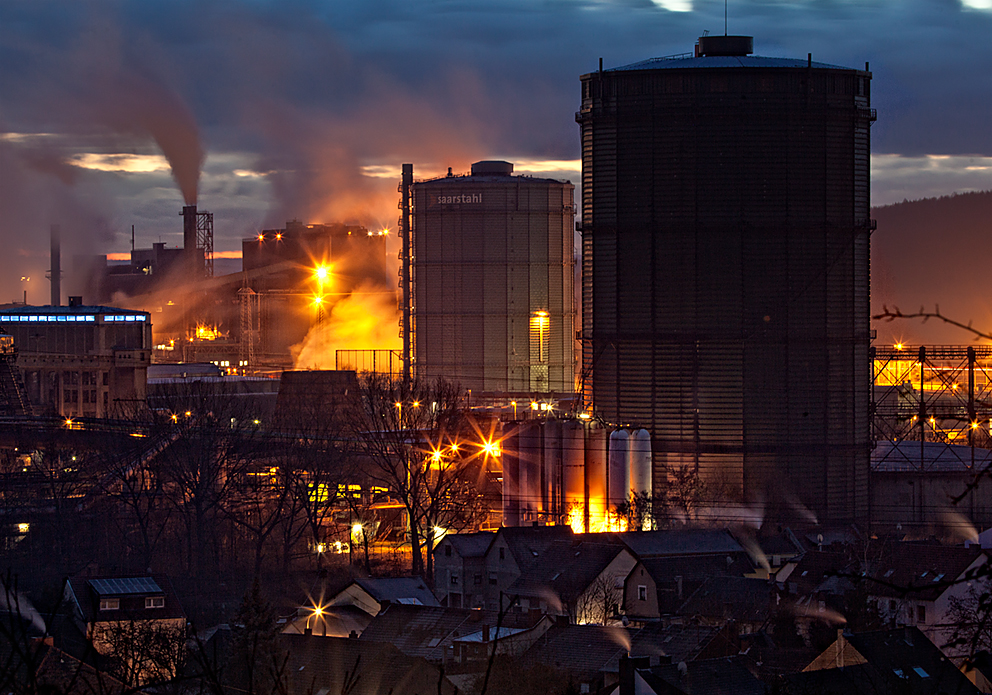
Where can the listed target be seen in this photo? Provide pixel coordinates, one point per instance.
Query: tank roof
(688, 61)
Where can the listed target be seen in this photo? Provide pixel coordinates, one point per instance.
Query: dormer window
(155, 602)
(110, 604)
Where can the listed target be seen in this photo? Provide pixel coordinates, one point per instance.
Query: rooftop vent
(492, 168)
(725, 46)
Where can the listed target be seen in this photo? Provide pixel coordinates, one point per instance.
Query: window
(447, 550)
(110, 604)
(492, 578)
(454, 580)
(502, 553)
(921, 614)
(155, 602)
(642, 592)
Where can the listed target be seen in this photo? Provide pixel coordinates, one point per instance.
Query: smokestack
(406, 183)
(56, 270)
(189, 232)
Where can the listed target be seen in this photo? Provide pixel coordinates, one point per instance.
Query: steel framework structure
(938, 394)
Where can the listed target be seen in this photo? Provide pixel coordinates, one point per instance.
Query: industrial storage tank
(530, 465)
(725, 245)
(510, 459)
(596, 446)
(640, 462)
(573, 454)
(491, 281)
(619, 468)
(551, 484)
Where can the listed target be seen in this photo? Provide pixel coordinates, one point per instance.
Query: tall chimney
(56, 270)
(189, 230)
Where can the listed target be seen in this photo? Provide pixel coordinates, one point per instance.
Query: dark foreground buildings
(725, 244)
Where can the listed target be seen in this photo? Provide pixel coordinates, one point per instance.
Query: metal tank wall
(725, 235)
(511, 471)
(529, 441)
(619, 468)
(492, 281)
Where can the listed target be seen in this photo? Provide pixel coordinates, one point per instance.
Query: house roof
(813, 572)
(676, 642)
(921, 571)
(581, 650)
(911, 661)
(857, 678)
(528, 543)
(566, 568)
(723, 676)
(330, 664)
(425, 631)
(666, 569)
(410, 590)
(88, 591)
(471, 544)
(737, 598)
(649, 544)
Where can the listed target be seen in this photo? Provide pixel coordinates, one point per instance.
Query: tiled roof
(738, 598)
(88, 591)
(425, 631)
(677, 642)
(921, 571)
(566, 567)
(724, 676)
(647, 544)
(471, 544)
(581, 650)
(813, 570)
(325, 664)
(665, 569)
(528, 543)
(397, 589)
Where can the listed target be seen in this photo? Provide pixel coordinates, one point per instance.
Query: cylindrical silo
(573, 454)
(491, 283)
(510, 459)
(640, 494)
(619, 464)
(725, 236)
(596, 445)
(529, 485)
(551, 481)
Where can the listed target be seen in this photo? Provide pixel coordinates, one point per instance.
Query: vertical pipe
(972, 415)
(407, 287)
(923, 406)
(511, 470)
(56, 271)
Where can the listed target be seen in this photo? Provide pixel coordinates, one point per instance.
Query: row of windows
(114, 604)
(72, 318)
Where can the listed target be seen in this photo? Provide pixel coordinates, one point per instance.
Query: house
(460, 569)
(814, 588)
(904, 657)
(445, 635)
(912, 584)
(723, 676)
(581, 578)
(673, 564)
(371, 595)
(359, 667)
(748, 602)
(513, 550)
(128, 619)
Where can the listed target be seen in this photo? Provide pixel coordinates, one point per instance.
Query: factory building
(725, 241)
(489, 293)
(80, 360)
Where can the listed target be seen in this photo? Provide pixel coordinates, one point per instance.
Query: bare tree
(601, 600)
(411, 436)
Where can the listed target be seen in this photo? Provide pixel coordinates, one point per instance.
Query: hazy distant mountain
(934, 251)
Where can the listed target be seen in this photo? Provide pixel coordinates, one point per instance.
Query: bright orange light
(204, 332)
(321, 272)
(436, 456)
(68, 422)
(371, 233)
(898, 346)
(384, 232)
(491, 448)
(318, 300)
(454, 447)
(175, 418)
(974, 425)
(416, 404)
(261, 237)
(954, 386)
(278, 237)
(188, 413)
(576, 519)
(398, 404)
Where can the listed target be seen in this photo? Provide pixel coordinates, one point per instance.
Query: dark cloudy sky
(305, 109)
